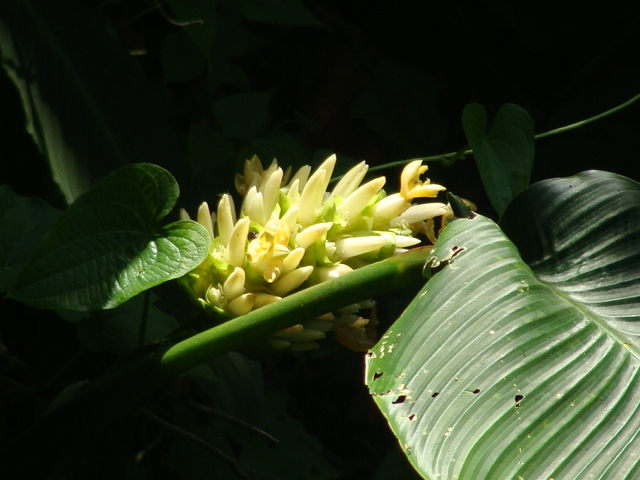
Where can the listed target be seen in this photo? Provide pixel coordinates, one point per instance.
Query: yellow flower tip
(312, 234)
(412, 187)
(270, 189)
(287, 333)
(403, 241)
(233, 286)
(292, 260)
(226, 218)
(263, 299)
(313, 192)
(356, 201)
(204, 218)
(350, 181)
(354, 246)
(306, 335)
(242, 304)
(311, 198)
(236, 249)
(253, 207)
(324, 274)
(292, 280)
(418, 213)
(301, 176)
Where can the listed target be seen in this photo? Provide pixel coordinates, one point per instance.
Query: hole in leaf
(435, 394)
(518, 398)
(435, 265)
(399, 400)
(377, 374)
(412, 416)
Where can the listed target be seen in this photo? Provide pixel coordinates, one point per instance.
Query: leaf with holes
(107, 248)
(502, 369)
(504, 154)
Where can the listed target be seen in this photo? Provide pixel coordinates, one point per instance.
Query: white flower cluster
(291, 232)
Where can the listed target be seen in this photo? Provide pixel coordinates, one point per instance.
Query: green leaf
(106, 248)
(504, 370)
(23, 223)
(504, 154)
(88, 107)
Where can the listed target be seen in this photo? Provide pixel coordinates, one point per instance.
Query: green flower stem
(379, 278)
(88, 411)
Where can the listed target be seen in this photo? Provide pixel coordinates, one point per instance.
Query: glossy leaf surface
(107, 248)
(502, 369)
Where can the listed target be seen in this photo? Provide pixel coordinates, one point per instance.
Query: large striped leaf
(502, 369)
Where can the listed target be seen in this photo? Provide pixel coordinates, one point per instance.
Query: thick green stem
(79, 421)
(367, 282)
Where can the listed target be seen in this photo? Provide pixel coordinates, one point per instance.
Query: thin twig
(231, 419)
(582, 123)
(226, 459)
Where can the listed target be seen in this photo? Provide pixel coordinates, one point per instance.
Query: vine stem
(589, 120)
(449, 158)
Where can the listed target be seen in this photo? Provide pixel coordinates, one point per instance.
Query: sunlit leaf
(504, 153)
(107, 248)
(501, 369)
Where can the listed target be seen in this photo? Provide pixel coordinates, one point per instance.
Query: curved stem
(452, 157)
(587, 121)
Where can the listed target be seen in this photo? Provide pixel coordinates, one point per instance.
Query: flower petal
(350, 181)
(355, 202)
(237, 247)
(312, 233)
(417, 213)
(204, 218)
(291, 281)
(353, 246)
(233, 286)
(242, 304)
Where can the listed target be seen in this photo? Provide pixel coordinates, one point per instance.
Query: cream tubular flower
(412, 187)
(290, 233)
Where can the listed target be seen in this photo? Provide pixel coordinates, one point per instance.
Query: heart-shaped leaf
(503, 370)
(504, 154)
(106, 247)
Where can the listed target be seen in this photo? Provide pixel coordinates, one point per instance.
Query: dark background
(379, 81)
